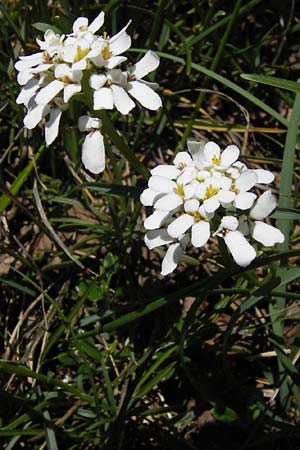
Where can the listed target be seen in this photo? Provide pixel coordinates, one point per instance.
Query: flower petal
(244, 200)
(196, 149)
(229, 155)
(35, 115)
(225, 196)
(171, 259)
(122, 101)
(80, 24)
(147, 64)
(25, 62)
(97, 81)
(200, 233)
(87, 123)
(243, 253)
(103, 99)
(27, 91)
(148, 197)
(182, 159)
(166, 171)
(97, 23)
(168, 202)
(210, 150)
(264, 205)
(211, 204)
(120, 42)
(47, 93)
(264, 176)
(180, 225)
(52, 125)
(145, 95)
(93, 152)
(161, 184)
(266, 234)
(156, 219)
(246, 180)
(191, 205)
(229, 223)
(156, 238)
(70, 90)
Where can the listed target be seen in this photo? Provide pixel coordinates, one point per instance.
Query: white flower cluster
(51, 77)
(207, 193)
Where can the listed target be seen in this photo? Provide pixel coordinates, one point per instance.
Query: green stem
(277, 305)
(109, 129)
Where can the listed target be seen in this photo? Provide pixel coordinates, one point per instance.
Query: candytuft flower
(207, 193)
(93, 150)
(53, 77)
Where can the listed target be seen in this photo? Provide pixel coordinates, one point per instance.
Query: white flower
(106, 51)
(139, 89)
(93, 150)
(204, 193)
(112, 88)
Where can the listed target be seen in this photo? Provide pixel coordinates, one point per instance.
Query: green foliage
(98, 350)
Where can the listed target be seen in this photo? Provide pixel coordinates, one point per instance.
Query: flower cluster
(67, 63)
(206, 193)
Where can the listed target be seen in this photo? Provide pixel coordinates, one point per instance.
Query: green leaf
(273, 81)
(41, 26)
(226, 415)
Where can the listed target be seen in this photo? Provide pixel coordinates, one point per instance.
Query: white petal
(197, 150)
(225, 196)
(266, 234)
(167, 171)
(25, 62)
(168, 202)
(120, 42)
(182, 159)
(156, 220)
(229, 155)
(70, 90)
(180, 225)
(161, 184)
(28, 91)
(97, 81)
(191, 205)
(52, 125)
(246, 180)
(122, 101)
(171, 259)
(97, 23)
(229, 223)
(47, 93)
(264, 176)
(147, 64)
(189, 191)
(93, 152)
(211, 204)
(264, 205)
(24, 77)
(80, 24)
(156, 238)
(243, 253)
(211, 149)
(200, 233)
(103, 99)
(148, 197)
(87, 123)
(114, 61)
(35, 115)
(145, 95)
(244, 200)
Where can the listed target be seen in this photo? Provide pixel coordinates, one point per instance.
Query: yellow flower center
(80, 53)
(210, 192)
(216, 160)
(66, 79)
(234, 189)
(179, 190)
(105, 52)
(197, 216)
